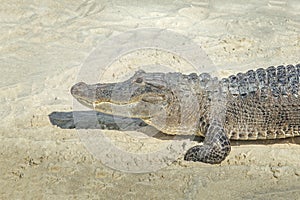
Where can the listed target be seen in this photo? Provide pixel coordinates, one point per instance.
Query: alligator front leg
(215, 148)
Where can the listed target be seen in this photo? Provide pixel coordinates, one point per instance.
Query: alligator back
(263, 104)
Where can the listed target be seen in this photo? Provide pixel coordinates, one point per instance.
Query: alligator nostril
(80, 84)
(78, 87)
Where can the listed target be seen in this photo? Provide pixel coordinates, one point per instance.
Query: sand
(45, 45)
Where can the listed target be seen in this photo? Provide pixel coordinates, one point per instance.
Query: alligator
(260, 104)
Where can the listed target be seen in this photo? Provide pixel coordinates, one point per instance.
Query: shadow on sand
(97, 120)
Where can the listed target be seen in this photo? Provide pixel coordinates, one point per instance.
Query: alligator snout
(78, 88)
(92, 93)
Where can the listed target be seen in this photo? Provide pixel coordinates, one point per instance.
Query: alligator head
(161, 100)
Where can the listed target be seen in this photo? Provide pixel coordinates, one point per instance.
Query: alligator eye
(139, 80)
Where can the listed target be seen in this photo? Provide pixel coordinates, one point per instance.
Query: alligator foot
(215, 148)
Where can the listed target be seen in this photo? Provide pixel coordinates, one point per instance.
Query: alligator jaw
(100, 97)
(93, 95)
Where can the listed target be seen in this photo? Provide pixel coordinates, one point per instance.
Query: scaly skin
(261, 104)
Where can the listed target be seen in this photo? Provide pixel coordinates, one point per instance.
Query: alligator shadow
(102, 121)
(97, 120)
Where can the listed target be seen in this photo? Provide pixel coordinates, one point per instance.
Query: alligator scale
(258, 104)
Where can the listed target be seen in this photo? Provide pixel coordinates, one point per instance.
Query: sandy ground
(45, 43)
